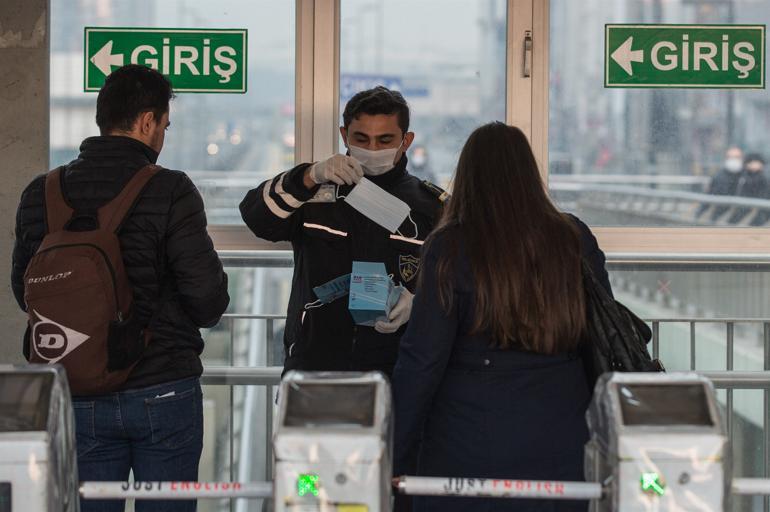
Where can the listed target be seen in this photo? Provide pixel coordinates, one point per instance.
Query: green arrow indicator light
(651, 483)
(307, 484)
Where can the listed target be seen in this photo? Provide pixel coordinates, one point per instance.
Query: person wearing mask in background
(752, 184)
(309, 206)
(153, 425)
(421, 164)
(488, 380)
(725, 182)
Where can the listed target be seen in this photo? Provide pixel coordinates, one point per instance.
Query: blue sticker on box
(372, 293)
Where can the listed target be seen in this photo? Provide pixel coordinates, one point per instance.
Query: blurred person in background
(725, 182)
(753, 184)
(421, 167)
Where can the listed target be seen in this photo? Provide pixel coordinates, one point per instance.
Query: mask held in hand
(378, 205)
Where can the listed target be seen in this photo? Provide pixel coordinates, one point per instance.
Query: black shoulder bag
(616, 339)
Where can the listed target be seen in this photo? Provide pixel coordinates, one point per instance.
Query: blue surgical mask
(331, 291)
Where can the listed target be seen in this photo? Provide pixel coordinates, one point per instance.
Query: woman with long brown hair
(489, 383)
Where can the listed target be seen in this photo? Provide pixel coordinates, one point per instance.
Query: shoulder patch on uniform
(435, 190)
(408, 266)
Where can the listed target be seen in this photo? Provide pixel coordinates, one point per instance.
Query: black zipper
(109, 266)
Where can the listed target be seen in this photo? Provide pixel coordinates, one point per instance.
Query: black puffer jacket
(178, 281)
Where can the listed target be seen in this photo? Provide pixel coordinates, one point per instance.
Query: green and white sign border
(245, 33)
(607, 27)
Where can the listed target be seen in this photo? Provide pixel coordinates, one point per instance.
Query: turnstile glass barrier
(38, 466)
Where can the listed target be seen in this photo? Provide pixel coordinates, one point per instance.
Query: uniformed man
(307, 207)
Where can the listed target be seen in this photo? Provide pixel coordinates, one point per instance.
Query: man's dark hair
(128, 92)
(379, 100)
(753, 157)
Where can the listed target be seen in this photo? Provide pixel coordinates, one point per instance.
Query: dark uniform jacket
(327, 238)
(464, 409)
(178, 281)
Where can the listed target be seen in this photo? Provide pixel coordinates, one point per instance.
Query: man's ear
(344, 134)
(146, 122)
(408, 139)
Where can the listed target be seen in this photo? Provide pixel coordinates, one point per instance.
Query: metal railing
(676, 206)
(615, 260)
(728, 380)
(672, 197)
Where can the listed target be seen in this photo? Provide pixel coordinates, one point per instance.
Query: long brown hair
(524, 253)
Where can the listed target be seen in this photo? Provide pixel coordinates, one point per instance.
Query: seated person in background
(488, 382)
(753, 184)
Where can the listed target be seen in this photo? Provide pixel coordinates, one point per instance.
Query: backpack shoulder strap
(57, 211)
(112, 214)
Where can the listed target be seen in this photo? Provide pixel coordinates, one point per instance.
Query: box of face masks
(372, 293)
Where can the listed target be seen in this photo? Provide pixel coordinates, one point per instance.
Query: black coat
(473, 411)
(724, 183)
(327, 238)
(753, 185)
(178, 281)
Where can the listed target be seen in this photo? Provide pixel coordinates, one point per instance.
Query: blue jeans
(155, 431)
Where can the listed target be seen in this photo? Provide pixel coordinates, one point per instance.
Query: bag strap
(57, 211)
(112, 214)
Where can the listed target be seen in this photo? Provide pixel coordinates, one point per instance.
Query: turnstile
(333, 443)
(657, 444)
(38, 467)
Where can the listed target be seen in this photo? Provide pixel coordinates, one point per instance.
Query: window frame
(316, 86)
(527, 103)
(713, 244)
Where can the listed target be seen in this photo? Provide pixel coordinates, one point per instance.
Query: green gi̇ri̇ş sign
(195, 60)
(706, 56)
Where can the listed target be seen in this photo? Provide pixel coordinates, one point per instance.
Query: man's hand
(399, 315)
(339, 169)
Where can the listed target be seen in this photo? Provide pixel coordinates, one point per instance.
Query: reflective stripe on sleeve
(408, 240)
(291, 201)
(325, 228)
(270, 202)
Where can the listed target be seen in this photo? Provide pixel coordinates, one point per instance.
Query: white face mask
(734, 164)
(375, 162)
(381, 207)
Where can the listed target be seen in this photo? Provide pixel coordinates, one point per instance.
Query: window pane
(227, 143)
(451, 69)
(647, 157)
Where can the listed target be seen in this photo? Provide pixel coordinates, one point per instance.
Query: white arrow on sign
(104, 59)
(624, 56)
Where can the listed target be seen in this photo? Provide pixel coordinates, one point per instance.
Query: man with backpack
(113, 264)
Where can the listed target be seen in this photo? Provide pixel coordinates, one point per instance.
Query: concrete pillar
(24, 42)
